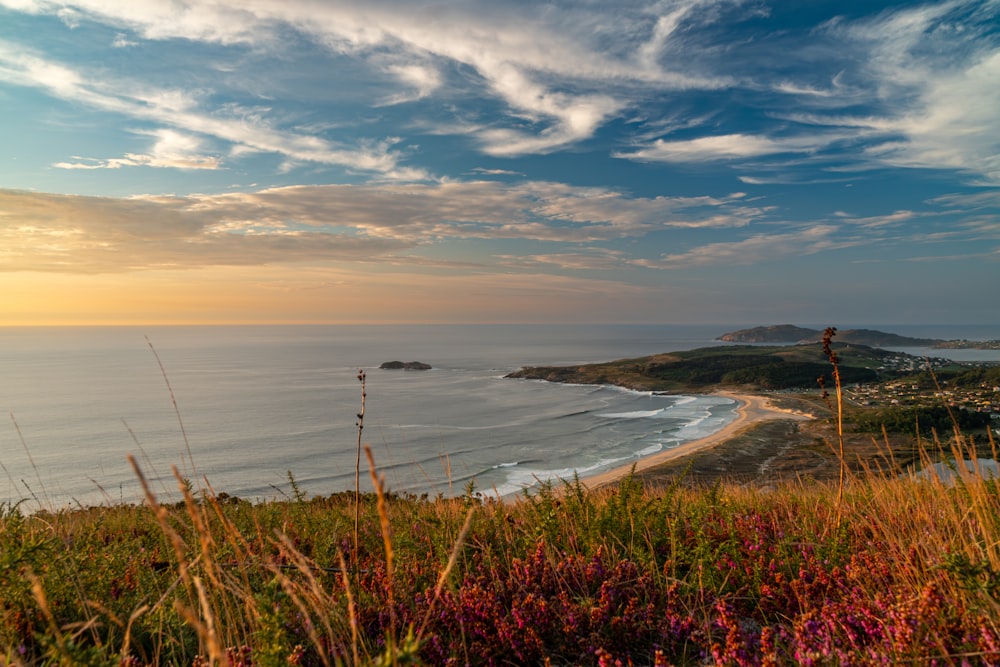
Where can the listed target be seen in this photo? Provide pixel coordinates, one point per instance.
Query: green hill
(777, 367)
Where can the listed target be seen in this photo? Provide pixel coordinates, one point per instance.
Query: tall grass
(727, 575)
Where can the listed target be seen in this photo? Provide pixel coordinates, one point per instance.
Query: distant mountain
(880, 338)
(788, 333)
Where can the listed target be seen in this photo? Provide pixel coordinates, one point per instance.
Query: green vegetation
(966, 378)
(897, 571)
(771, 367)
(925, 420)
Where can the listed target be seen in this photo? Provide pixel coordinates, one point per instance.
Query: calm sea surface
(259, 402)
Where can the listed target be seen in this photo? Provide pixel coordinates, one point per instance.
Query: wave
(637, 414)
(574, 414)
(517, 480)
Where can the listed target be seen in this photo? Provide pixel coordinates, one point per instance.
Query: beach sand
(752, 410)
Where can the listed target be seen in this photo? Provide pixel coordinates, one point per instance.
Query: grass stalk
(357, 470)
(173, 401)
(828, 335)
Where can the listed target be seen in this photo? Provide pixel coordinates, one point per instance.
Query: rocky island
(405, 366)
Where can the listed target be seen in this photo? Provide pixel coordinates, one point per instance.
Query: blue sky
(681, 161)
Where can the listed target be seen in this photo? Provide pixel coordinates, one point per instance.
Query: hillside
(777, 367)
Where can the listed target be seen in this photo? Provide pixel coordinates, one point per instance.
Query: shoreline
(752, 410)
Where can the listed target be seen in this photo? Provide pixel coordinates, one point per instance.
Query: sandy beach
(752, 409)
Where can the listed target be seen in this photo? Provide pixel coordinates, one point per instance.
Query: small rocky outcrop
(406, 366)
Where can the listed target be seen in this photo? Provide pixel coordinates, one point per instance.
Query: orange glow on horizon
(292, 295)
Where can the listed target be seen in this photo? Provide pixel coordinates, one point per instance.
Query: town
(931, 382)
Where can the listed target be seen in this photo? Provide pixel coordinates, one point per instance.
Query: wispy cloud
(496, 172)
(755, 249)
(924, 76)
(934, 68)
(315, 223)
(591, 259)
(550, 66)
(246, 131)
(721, 147)
(171, 150)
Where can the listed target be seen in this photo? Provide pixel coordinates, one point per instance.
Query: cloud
(893, 219)
(496, 172)
(910, 87)
(970, 200)
(922, 77)
(722, 147)
(935, 69)
(420, 79)
(753, 250)
(988, 255)
(171, 150)
(591, 259)
(122, 41)
(363, 223)
(549, 66)
(244, 129)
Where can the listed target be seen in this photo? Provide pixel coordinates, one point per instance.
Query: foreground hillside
(898, 571)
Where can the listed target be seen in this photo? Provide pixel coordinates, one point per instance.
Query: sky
(324, 161)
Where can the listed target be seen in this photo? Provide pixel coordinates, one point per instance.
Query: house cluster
(905, 363)
(984, 398)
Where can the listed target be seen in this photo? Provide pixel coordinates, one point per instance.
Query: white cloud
(935, 69)
(753, 250)
(248, 132)
(893, 219)
(122, 41)
(559, 73)
(496, 172)
(327, 223)
(723, 147)
(550, 65)
(171, 150)
(70, 17)
(421, 81)
(594, 259)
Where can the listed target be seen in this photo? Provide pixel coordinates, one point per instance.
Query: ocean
(259, 405)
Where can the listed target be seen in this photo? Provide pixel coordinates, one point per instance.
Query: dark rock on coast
(406, 366)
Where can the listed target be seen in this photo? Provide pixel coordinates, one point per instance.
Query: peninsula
(735, 367)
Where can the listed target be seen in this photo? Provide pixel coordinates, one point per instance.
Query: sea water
(246, 409)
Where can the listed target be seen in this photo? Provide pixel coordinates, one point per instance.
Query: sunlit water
(259, 402)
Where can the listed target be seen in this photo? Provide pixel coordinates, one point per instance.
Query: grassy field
(896, 571)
